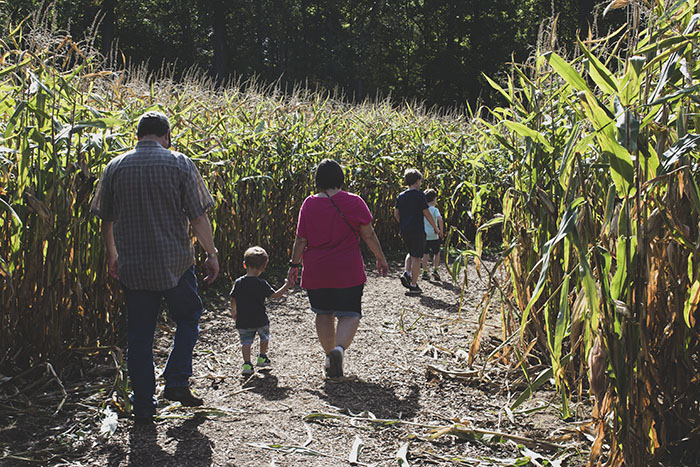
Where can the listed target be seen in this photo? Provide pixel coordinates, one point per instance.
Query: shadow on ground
(360, 396)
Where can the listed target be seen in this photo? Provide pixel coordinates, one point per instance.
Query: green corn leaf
(12, 122)
(691, 303)
(566, 71)
(609, 205)
(627, 127)
(542, 378)
(527, 132)
(690, 92)
(599, 73)
(620, 161)
(670, 65)
(12, 68)
(567, 156)
(498, 88)
(621, 282)
(566, 226)
(13, 214)
(668, 42)
(562, 325)
(673, 154)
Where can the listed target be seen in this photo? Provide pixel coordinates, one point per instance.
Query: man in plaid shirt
(147, 200)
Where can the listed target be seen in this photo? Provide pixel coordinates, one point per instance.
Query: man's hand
(112, 267)
(382, 267)
(211, 266)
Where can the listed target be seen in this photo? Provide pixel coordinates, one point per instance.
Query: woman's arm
(297, 253)
(370, 237)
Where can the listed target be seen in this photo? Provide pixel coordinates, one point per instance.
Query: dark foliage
(427, 50)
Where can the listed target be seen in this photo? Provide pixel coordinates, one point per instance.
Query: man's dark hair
(411, 176)
(152, 123)
(255, 257)
(329, 175)
(430, 195)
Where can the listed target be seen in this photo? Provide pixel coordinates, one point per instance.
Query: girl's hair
(255, 257)
(411, 176)
(329, 175)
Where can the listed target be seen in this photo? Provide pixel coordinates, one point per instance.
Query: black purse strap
(357, 235)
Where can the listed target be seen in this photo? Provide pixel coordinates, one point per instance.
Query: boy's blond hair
(255, 257)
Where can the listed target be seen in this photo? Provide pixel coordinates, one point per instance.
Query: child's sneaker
(425, 275)
(263, 361)
(247, 369)
(405, 279)
(436, 276)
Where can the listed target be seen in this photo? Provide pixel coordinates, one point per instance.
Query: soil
(408, 394)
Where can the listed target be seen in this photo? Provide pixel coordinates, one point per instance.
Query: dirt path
(292, 416)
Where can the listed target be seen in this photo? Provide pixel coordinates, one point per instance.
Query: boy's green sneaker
(425, 275)
(247, 369)
(436, 276)
(263, 361)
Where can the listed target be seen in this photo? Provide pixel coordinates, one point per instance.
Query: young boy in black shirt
(248, 306)
(410, 210)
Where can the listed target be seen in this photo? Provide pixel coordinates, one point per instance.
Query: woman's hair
(255, 257)
(329, 175)
(152, 123)
(430, 195)
(411, 176)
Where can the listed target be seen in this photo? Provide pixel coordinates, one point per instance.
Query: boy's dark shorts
(432, 247)
(415, 243)
(338, 302)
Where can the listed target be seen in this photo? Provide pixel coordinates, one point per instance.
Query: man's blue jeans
(143, 306)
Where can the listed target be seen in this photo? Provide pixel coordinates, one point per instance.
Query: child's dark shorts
(338, 302)
(432, 247)
(415, 243)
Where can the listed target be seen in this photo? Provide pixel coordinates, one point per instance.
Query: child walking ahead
(432, 239)
(248, 307)
(410, 210)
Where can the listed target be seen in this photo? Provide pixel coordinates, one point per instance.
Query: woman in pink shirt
(330, 226)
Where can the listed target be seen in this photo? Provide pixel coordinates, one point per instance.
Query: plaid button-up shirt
(150, 194)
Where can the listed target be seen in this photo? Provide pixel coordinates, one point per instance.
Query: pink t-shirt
(332, 258)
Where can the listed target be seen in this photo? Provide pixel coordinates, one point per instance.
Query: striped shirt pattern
(150, 194)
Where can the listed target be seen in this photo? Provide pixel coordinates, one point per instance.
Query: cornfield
(63, 116)
(601, 228)
(589, 171)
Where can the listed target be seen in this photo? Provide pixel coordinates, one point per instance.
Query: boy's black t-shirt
(250, 293)
(411, 204)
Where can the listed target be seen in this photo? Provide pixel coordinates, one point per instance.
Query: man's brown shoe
(183, 395)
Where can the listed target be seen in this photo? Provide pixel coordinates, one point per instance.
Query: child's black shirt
(250, 293)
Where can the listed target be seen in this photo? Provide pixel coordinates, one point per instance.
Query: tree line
(432, 51)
